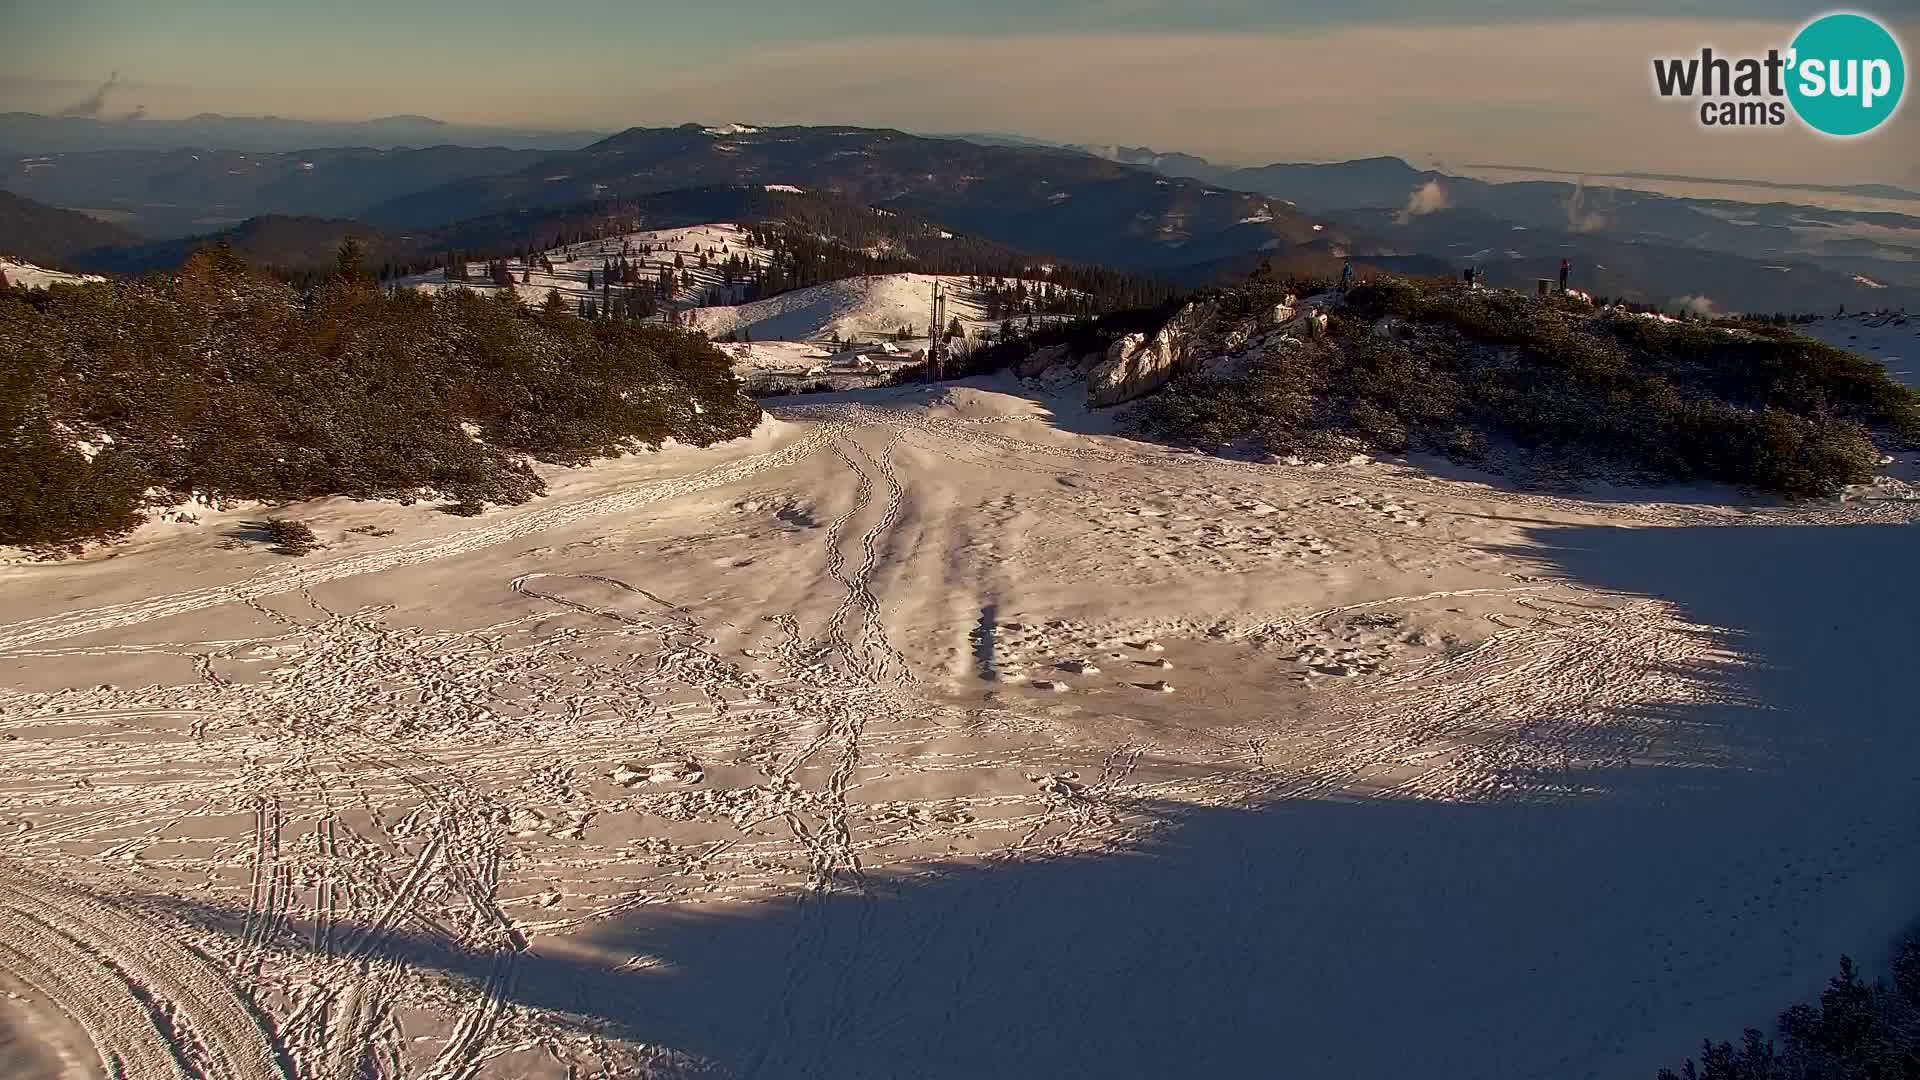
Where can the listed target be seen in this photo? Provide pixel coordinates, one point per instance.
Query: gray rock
(1138, 364)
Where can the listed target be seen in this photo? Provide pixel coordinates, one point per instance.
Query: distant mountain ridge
(1042, 200)
(186, 191)
(304, 244)
(1652, 247)
(1127, 207)
(33, 133)
(50, 236)
(277, 241)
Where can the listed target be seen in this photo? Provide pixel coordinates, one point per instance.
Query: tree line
(221, 384)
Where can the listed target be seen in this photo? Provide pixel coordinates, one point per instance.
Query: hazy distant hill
(183, 191)
(892, 241)
(1132, 208)
(1648, 246)
(277, 241)
(32, 133)
(49, 235)
(1065, 203)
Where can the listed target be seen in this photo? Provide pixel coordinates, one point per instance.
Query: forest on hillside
(1554, 389)
(1557, 387)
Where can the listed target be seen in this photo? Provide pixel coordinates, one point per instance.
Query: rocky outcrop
(1129, 370)
(1198, 338)
(1139, 364)
(1241, 353)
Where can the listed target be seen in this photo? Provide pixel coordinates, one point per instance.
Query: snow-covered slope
(573, 262)
(35, 277)
(862, 309)
(854, 309)
(1894, 340)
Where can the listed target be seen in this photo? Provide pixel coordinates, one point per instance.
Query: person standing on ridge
(1566, 268)
(1346, 276)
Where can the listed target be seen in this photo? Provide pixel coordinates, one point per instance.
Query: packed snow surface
(21, 273)
(860, 310)
(853, 309)
(935, 733)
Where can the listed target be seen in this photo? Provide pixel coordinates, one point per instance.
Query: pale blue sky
(1542, 81)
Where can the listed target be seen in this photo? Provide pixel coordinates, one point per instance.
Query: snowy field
(572, 263)
(854, 309)
(935, 734)
(26, 275)
(793, 334)
(790, 334)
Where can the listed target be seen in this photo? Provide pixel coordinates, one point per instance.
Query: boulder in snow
(1138, 364)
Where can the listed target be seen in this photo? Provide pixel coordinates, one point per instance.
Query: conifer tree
(346, 261)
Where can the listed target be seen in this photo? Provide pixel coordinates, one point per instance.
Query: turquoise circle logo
(1848, 75)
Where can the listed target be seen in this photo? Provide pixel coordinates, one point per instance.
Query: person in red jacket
(1566, 267)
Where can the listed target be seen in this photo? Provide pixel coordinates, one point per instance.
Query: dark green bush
(51, 496)
(220, 384)
(1206, 412)
(290, 537)
(1857, 1031)
(1456, 369)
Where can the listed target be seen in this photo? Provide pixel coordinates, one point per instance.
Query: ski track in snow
(283, 831)
(292, 578)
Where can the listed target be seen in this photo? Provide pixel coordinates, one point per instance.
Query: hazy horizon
(1235, 82)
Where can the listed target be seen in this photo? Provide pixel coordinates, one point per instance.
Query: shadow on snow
(1598, 934)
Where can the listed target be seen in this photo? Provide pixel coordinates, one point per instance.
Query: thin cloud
(1428, 198)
